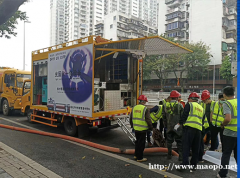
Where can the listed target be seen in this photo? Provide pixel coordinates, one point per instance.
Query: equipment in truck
(90, 80)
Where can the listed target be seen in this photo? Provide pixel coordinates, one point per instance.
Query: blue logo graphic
(77, 76)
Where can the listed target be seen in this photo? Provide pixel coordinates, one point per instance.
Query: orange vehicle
(90, 82)
(11, 82)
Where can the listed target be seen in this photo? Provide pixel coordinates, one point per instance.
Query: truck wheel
(83, 130)
(70, 127)
(29, 112)
(5, 108)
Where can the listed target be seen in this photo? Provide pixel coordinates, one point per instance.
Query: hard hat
(174, 94)
(205, 91)
(193, 95)
(205, 95)
(143, 98)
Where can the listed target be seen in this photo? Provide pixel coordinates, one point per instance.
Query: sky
(37, 35)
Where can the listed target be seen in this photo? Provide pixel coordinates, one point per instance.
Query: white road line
(108, 154)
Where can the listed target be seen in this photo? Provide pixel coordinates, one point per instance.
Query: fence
(155, 97)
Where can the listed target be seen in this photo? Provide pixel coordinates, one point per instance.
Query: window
(114, 18)
(10, 79)
(229, 35)
(111, 26)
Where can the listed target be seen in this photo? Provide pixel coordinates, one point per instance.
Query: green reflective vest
(205, 124)
(156, 116)
(217, 115)
(195, 116)
(170, 107)
(138, 118)
(232, 125)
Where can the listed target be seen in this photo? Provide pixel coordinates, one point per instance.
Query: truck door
(25, 101)
(10, 84)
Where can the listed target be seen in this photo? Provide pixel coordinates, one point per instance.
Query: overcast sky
(37, 35)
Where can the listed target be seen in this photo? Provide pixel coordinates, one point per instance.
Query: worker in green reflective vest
(141, 122)
(207, 104)
(171, 114)
(192, 120)
(217, 118)
(230, 129)
(156, 115)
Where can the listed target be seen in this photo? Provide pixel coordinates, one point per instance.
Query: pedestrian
(141, 122)
(192, 120)
(230, 129)
(155, 115)
(181, 101)
(168, 99)
(217, 118)
(172, 112)
(207, 104)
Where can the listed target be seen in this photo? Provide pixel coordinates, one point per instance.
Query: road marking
(19, 124)
(29, 162)
(107, 153)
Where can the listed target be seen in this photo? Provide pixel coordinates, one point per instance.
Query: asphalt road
(65, 159)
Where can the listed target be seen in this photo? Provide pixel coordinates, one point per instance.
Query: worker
(161, 125)
(192, 120)
(207, 104)
(172, 112)
(141, 122)
(217, 118)
(155, 115)
(181, 101)
(168, 99)
(230, 129)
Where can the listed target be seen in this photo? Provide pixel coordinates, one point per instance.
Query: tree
(194, 64)
(225, 70)
(8, 27)
(8, 8)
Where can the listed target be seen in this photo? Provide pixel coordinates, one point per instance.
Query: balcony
(174, 3)
(232, 28)
(230, 40)
(169, 11)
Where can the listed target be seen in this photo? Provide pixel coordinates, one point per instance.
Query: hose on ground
(88, 143)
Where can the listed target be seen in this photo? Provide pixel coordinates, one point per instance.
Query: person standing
(181, 101)
(207, 104)
(192, 120)
(161, 125)
(230, 129)
(141, 122)
(172, 112)
(155, 115)
(216, 118)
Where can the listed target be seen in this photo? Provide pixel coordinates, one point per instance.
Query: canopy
(154, 45)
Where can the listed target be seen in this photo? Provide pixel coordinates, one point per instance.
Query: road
(66, 158)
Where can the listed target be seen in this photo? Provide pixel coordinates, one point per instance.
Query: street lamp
(213, 74)
(24, 44)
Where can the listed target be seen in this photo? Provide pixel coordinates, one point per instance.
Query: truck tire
(29, 112)
(83, 130)
(5, 108)
(70, 127)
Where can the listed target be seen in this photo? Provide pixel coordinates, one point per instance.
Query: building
(74, 19)
(194, 21)
(119, 26)
(142, 9)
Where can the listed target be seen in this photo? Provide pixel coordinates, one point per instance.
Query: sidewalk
(15, 165)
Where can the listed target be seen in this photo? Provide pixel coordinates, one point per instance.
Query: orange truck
(11, 82)
(90, 81)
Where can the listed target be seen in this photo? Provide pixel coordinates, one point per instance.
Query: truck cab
(11, 85)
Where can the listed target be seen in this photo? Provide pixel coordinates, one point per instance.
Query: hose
(91, 144)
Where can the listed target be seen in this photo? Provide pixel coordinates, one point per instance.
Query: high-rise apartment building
(74, 19)
(142, 9)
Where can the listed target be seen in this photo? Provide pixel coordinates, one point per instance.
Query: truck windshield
(21, 78)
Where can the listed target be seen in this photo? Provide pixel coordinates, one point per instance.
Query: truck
(11, 82)
(89, 82)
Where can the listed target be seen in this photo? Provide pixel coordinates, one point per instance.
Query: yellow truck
(90, 81)
(11, 82)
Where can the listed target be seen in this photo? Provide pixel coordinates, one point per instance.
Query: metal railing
(155, 97)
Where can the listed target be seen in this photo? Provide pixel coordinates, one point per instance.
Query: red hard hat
(174, 94)
(205, 95)
(205, 91)
(193, 95)
(143, 98)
